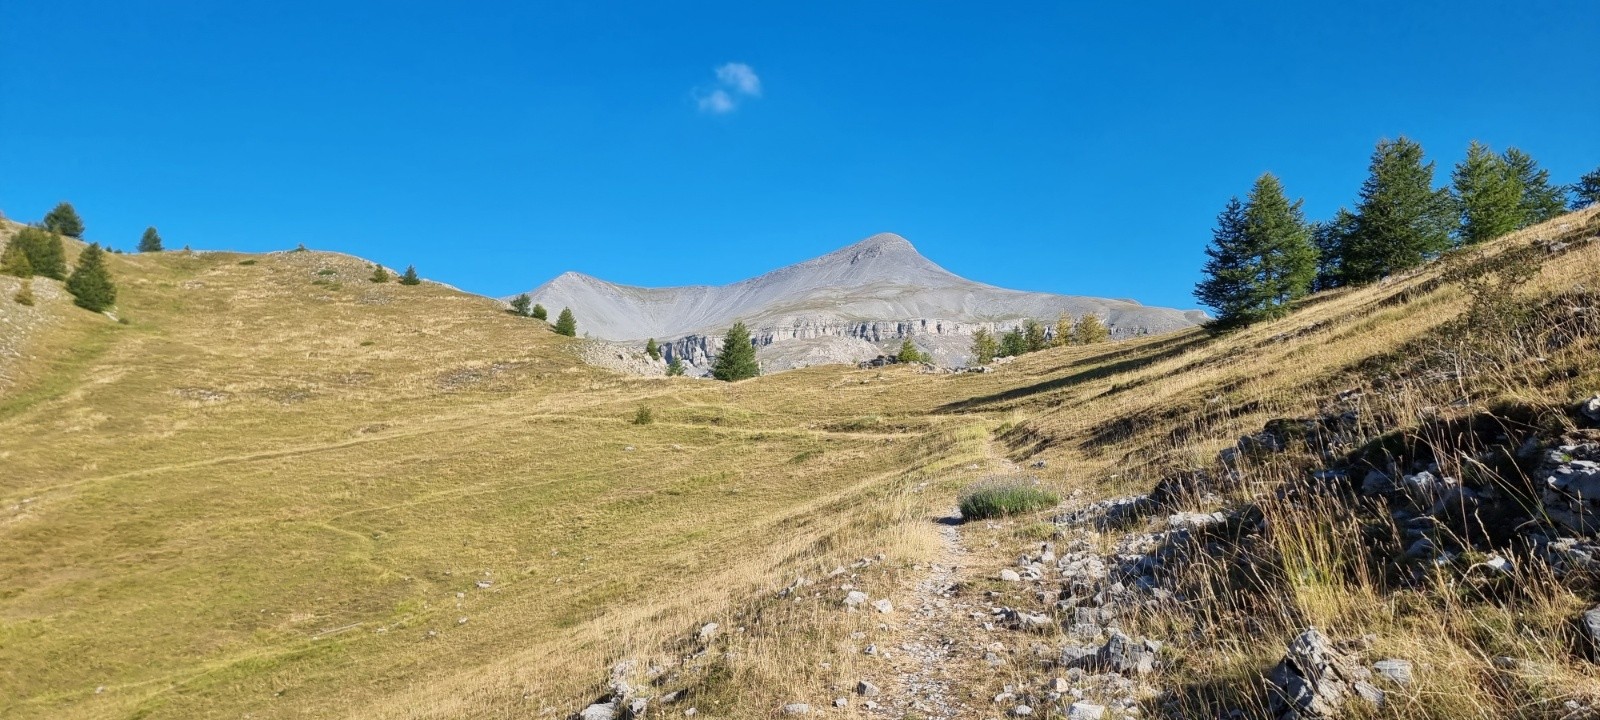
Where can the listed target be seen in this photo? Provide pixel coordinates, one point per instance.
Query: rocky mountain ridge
(845, 306)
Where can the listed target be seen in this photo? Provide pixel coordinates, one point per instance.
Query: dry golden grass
(274, 491)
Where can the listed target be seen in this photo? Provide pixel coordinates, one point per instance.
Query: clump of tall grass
(1002, 497)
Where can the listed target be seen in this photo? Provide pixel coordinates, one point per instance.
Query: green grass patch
(1000, 498)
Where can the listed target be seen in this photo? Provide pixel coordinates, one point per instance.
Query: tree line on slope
(1031, 336)
(38, 251)
(566, 324)
(1264, 255)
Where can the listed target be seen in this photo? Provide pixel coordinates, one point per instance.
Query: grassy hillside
(278, 489)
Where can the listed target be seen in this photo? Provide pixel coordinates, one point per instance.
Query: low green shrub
(999, 498)
(644, 416)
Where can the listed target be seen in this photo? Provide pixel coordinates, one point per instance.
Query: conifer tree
(984, 346)
(90, 282)
(64, 220)
(1586, 191)
(1261, 257)
(45, 252)
(1401, 220)
(410, 278)
(1090, 330)
(650, 348)
(1033, 336)
(14, 260)
(379, 275)
(520, 305)
(1330, 237)
(1276, 231)
(566, 324)
(150, 241)
(675, 368)
(737, 360)
(1487, 195)
(1541, 201)
(1230, 270)
(910, 354)
(1013, 343)
(539, 313)
(24, 294)
(1063, 332)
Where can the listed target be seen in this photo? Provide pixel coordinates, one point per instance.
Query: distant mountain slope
(845, 306)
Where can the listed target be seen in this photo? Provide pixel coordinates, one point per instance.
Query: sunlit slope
(286, 491)
(265, 492)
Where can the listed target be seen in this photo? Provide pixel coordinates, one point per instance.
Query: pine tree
(566, 324)
(1276, 231)
(1541, 201)
(984, 346)
(910, 354)
(24, 294)
(1013, 343)
(1586, 191)
(737, 360)
(150, 241)
(1330, 238)
(1033, 336)
(1401, 220)
(1231, 268)
(410, 278)
(1090, 330)
(539, 313)
(675, 368)
(520, 305)
(45, 252)
(650, 348)
(1487, 194)
(90, 282)
(64, 220)
(14, 260)
(379, 275)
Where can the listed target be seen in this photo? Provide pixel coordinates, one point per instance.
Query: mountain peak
(884, 240)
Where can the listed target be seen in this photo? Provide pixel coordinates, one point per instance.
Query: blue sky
(1067, 147)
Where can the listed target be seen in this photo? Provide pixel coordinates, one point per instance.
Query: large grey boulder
(1572, 496)
(1591, 627)
(1125, 656)
(1314, 679)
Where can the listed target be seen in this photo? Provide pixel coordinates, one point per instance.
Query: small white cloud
(734, 82)
(717, 102)
(740, 77)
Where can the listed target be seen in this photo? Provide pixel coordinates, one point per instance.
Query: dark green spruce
(1488, 196)
(150, 241)
(64, 220)
(90, 282)
(1402, 221)
(737, 360)
(566, 324)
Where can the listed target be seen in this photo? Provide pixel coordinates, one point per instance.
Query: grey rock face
(1591, 627)
(1085, 711)
(1395, 671)
(1590, 409)
(1572, 487)
(1313, 680)
(847, 306)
